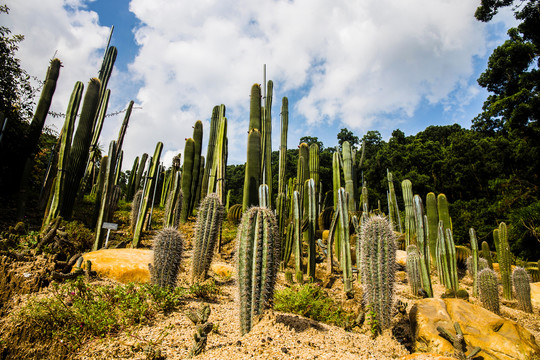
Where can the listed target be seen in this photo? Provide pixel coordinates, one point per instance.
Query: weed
(207, 290)
(372, 322)
(310, 300)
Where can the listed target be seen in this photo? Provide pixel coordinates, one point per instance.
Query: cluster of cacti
(258, 261)
(505, 260)
(488, 290)
(146, 200)
(378, 267)
(168, 247)
(522, 288)
(207, 234)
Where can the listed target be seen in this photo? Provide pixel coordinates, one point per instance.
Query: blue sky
(365, 65)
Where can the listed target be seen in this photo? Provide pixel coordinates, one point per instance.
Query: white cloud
(358, 64)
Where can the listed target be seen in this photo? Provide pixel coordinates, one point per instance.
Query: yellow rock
(500, 339)
(401, 257)
(222, 270)
(124, 265)
(535, 294)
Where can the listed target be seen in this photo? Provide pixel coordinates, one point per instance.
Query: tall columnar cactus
(314, 172)
(413, 269)
(365, 198)
(488, 290)
(505, 262)
(78, 154)
(311, 217)
(168, 247)
(446, 258)
(348, 170)
(378, 267)
(131, 180)
(283, 145)
(252, 170)
(147, 194)
(432, 224)
(266, 140)
(393, 210)
(207, 233)
(444, 213)
(140, 172)
(297, 236)
(216, 179)
(486, 254)
(475, 259)
(422, 246)
(187, 179)
(346, 262)
(135, 207)
(410, 230)
(336, 176)
(173, 205)
(63, 154)
(103, 202)
(197, 146)
(522, 285)
(258, 262)
(210, 149)
(263, 196)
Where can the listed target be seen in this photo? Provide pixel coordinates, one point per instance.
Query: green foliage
(311, 301)
(77, 311)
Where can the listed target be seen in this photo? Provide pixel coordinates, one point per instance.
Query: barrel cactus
(168, 248)
(488, 289)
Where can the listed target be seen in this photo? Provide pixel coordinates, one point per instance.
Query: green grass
(311, 301)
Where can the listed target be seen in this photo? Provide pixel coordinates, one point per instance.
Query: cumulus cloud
(347, 63)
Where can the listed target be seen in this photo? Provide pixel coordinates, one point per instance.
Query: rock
(124, 265)
(224, 271)
(401, 257)
(535, 294)
(425, 356)
(500, 339)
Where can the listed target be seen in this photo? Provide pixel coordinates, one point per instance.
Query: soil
(276, 335)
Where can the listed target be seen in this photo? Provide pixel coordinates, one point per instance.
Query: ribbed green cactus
(393, 210)
(252, 170)
(314, 171)
(336, 177)
(283, 145)
(235, 213)
(207, 233)
(422, 245)
(297, 237)
(505, 261)
(348, 170)
(131, 180)
(168, 247)
(378, 267)
(140, 172)
(266, 141)
(135, 207)
(365, 198)
(216, 179)
(173, 205)
(187, 178)
(522, 287)
(197, 146)
(210, 150)
(346, 262)
(446, 259)
(475, 259)
(488, 290)
(258, 261)
(432, 224)
(311, 217)
(413, 269)
(78, 154)
(444, 214)
(410, 230)
(486, 254)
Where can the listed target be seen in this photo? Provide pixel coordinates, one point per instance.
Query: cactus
(505, 261)
(168, 247)
(346, 262)
(488, 290)
(258, 261)
(444, 214)
(131, 181)
(283, 146)
(78, 154)
(103, 203)
(235, 213)
(173, 206)
(474, 260)
(413, 269)
(336, 176)
(297, 239)
(207, 233)
(432, 224)
(210, 150)
(378, 267)
(252, 170)
(202, 329)
(446, 259)
(314, 169)
(146, 195)
(187, 179)
(197, 146)
(365, 198)
(311, 217)
(486, 254)
(264, 198)
(266, 141)
(522, 286)
(219, 162)
(348, 170)
(410, 231)
(393, 210)
(422, 246)
(140, 172)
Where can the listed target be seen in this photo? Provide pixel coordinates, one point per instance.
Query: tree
(347, 135)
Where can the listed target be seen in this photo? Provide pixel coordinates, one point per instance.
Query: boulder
(499, 338)
(535, 294)
(124, 265)
(401, 257)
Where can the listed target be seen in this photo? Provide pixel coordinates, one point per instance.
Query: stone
(425, 356)
(222, 270)
(535, 294)
(499, 338)
(123, 265)
(401, 257)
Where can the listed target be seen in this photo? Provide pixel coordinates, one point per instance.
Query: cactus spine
(168, 247)
(258, 261)
(378, 267)
(505, 261)
(488, 290)
(522, 285)
(207, 233)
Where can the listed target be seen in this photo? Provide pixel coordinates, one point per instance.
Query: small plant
(372, 321)
(311, 301)
(207, 290)
(199, 318)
